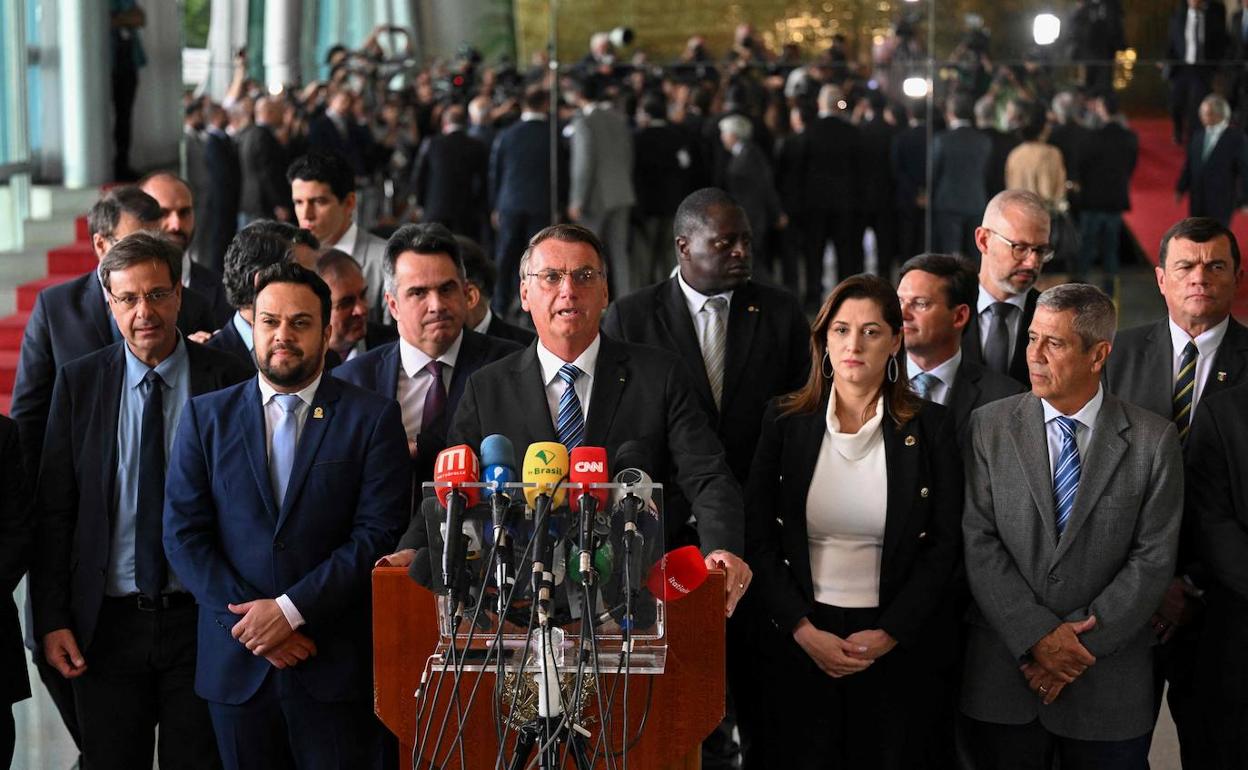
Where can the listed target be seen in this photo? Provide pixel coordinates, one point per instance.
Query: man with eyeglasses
(1168, 367)
(1013, 243)
(579, 387)
(112, 618)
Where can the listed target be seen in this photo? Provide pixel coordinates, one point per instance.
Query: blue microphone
(498, 461)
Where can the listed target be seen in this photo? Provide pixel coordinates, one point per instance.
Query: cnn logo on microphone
(587, 466)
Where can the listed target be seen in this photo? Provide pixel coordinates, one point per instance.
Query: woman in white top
(853, 512)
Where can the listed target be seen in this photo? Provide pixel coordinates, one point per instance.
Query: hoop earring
(894, 369)
(825, 366)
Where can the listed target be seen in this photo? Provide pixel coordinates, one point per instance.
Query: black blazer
(639, 393)
(519, 178)
(263, 162)
(833, 164)
(450, 181)
(767, 355)
(748, 178)
(378, 370)
(510, 332)
(1219, 183)
(660, 179)
(1216, 37)
(221, 196)
(207, 283)
(922, 529)
(974, 386)
(973, 348)
(960, 171)
(77, 479)
(69, 321)
(16, 535)
(228, 339)
(1106, 167)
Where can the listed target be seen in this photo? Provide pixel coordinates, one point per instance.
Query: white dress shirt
(272, 414)
(414, 381)
(1193, 34)
(347, 241)
(1085, 423)
(945, 374)
(485, 322)
(554, 386)
(986, 319)
(1206, 348)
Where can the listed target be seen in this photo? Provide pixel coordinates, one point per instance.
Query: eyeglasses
(131, 301)
(553, 279)
(1044, 251)
(918, 304)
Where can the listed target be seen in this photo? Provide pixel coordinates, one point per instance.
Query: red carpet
(1152, 195)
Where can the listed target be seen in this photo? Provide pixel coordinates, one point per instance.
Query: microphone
(456, 465)
(678, 574)
(589, 466)
(545, 465)
(499, 458)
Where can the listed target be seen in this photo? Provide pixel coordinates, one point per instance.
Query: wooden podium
(686, 702)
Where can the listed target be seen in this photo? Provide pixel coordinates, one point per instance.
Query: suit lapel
(531, 396)
(388, 371)
(965, 392)
(610, 377)
(901, 457)
(112, 383)
(673, 316)
(256, 445)
(93, 302)
(1032, 447)
(320, 415)
(471, 351)
(1018, 364)
(972, 347)
(204, 376)
(743, 319)
(1158, 357)
(1105, 452)
(808, 430)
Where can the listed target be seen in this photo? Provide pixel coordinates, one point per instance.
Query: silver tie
(714, 342)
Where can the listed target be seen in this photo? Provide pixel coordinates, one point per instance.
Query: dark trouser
(281, 728)
(1099, 234)
(1175, 662)
(1031, 747)
(61, 691)
(881, 717)
(656, 249)
(882, 222)
(911, 232)
(839, 226)
(125, 88)
(1188, 86)
(515, 228)
(140, 674)
(954, 233)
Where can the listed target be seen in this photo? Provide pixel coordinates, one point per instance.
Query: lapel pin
(318, 413)
(1221, 376)
(752, 308)
(911, 441)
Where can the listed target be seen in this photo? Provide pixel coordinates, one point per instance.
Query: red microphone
(677, 574)
(456, 465)
(589, 466)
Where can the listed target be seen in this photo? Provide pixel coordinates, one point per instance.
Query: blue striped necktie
(1066, 477)
(571, 423)
(923, 384)
(1184, 390)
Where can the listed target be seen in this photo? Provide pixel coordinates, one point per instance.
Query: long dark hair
(900, 403)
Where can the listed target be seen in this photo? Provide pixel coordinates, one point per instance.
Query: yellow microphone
(545, 464)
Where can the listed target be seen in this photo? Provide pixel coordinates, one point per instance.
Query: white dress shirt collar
(414, 360)
(485, 322)
(695, 299)
(1206, 343)
(347, 241)
(1086, 416)
(267, 391)
(551, 363)
(946, 372)
(986, 300)
(186, 268)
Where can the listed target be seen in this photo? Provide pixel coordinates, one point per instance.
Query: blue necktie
(571, 423)
(1184, 390)
(923, 384)
(285, 434)
(1066, 477)
(151, 571)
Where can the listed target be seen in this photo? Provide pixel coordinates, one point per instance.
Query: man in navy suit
(282, 491)
(112, 618)
(425, 371)
(1216, 169)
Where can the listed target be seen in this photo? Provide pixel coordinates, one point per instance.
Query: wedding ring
(1044, 690)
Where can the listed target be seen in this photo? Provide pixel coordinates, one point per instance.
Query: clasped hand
(839, 657)
(1058, 659)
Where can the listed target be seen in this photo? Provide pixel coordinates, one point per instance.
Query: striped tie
(714, 340)
(1184, 389)
(571, 422)
(923, 384)
(1066, 477)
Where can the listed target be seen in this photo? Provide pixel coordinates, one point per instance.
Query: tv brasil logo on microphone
(547, 457)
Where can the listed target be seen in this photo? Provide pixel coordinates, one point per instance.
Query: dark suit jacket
(69, 321)
(207, 283)
(959, 171)
(77, 483)
(973, 387)
(1216, 37)
(833, 164)
(228, 339)
(376, 335)
(221, 197)
(639, 393)
(356, 147)
(767, 355)
(378, 371)
(908, 161)
(749, 180)
(520, 169)
(1106, 167)
(660, 179)
(263, 162)
(922, 540)
(510, 332)
(229, 542)
(1217, 502)
(973, 348)
(1218, 184)
(450, 181)
(16, 534)
(1003, 143)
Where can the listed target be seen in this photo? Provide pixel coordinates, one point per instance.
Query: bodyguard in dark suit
(282, 492)
(663, 159)
(222, 188)
(620, 392)
(482, 278)
(1013, 244)
(748, 179)
(1168, 367)
(111, 616)
(741, 344)
(937, 293)
(426, 369)
(265, 193)
(1215, 173)
(833, 170)
(1104, 174)
(1071, 537)
(16, 535)
(1196, 42)
(450, 176)
(337, 132)
(959, 169)
(353, 333)
(177, 220)
(853, 505)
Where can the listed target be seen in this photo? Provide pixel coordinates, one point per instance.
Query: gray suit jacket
(1114, 561)
(370, 252)
(602, 162)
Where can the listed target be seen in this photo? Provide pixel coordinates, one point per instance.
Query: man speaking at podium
(580, 387)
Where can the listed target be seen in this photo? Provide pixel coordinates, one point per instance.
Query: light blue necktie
(282, 456)
(923, 384)
(1066, 477)
(571, 423)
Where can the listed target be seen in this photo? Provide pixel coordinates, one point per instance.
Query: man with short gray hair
(1070, 536)
(1216, 170)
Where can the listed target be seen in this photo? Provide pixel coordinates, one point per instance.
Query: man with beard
(177, 220)
(353, 333)
(282, 492)
(1013, 242)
